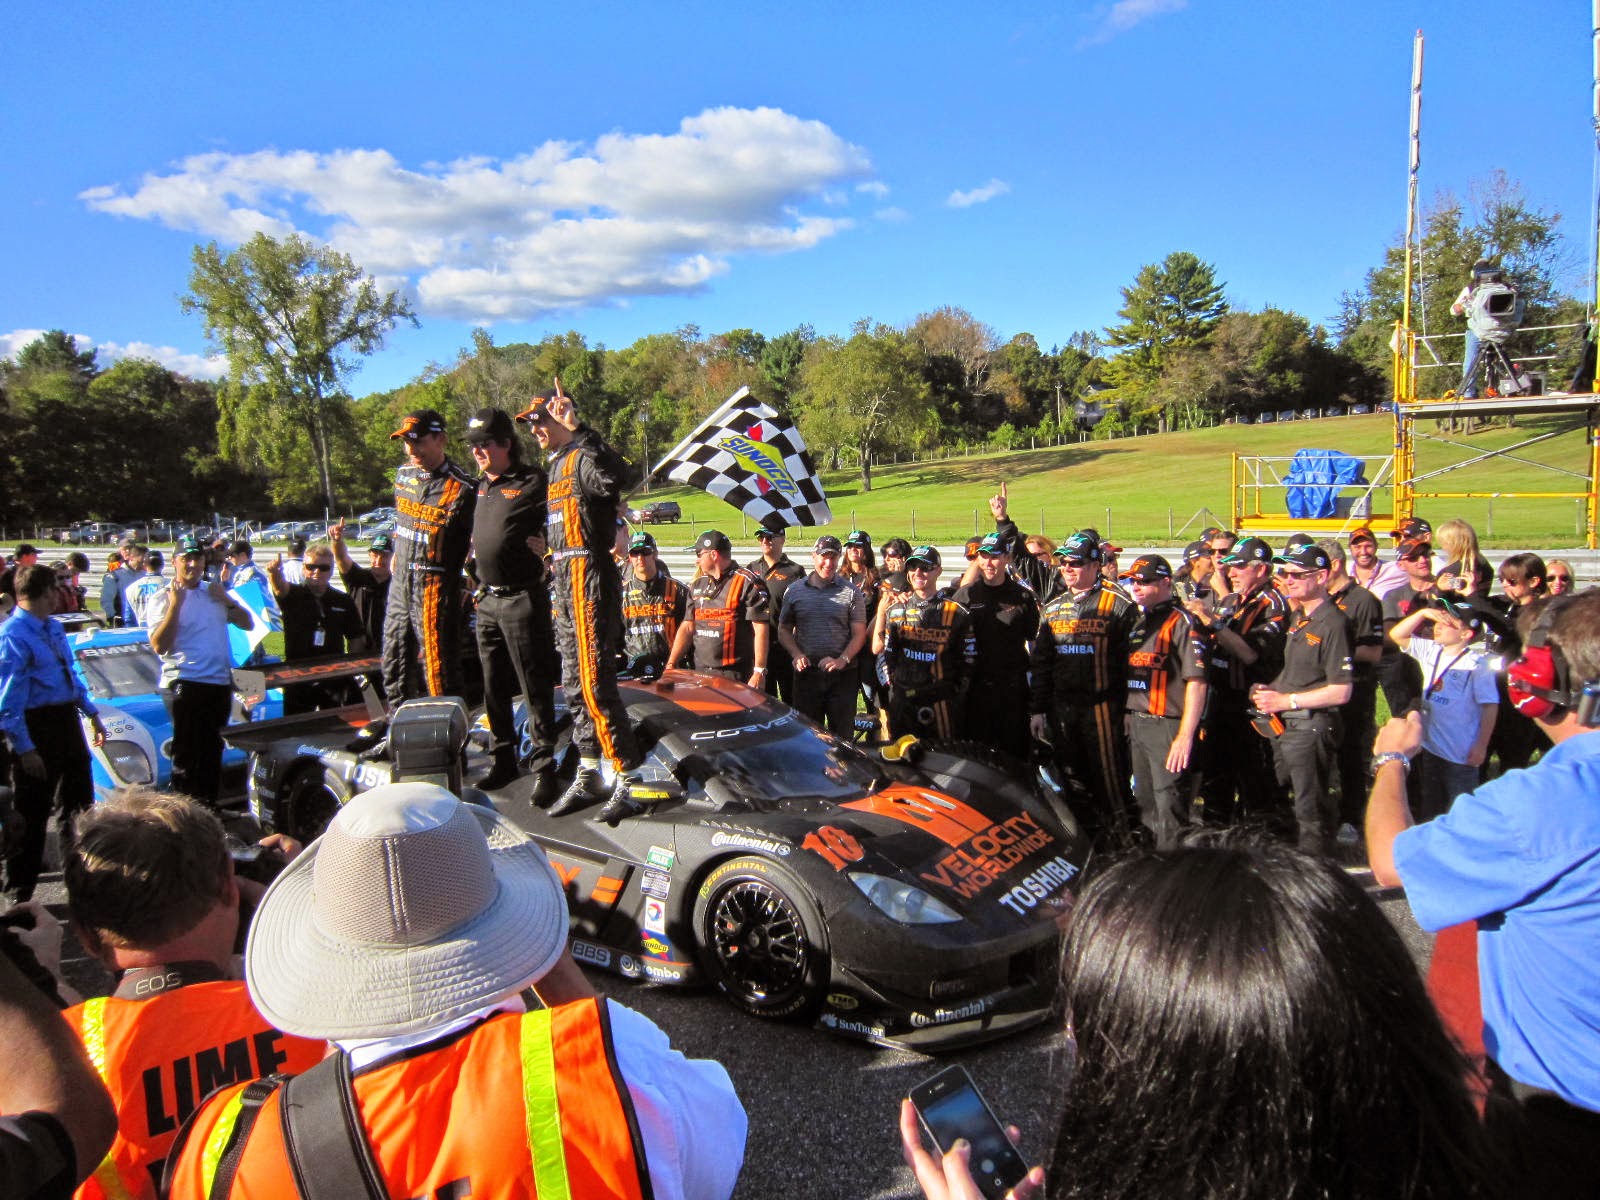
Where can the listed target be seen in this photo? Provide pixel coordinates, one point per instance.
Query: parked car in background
(658, 512)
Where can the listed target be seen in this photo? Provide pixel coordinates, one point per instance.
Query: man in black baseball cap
(653, 607)
(1306, 695)
(928, 651)
(1005, 618)
(778, 571)
(727, 621)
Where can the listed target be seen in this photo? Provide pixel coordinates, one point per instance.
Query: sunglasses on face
(318, 568)
(1561, 579)
(1282, 574)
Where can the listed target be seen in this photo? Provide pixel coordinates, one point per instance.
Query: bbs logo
(589, 953)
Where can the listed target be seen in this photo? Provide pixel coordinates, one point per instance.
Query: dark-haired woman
(1247, 1024)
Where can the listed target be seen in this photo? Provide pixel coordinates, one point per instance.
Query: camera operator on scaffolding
(1493, 310)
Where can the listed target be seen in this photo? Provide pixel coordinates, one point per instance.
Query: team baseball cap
(713, 539)
(1310, 557)
(188, 544)
(383, 543)
(641, 543)
(1107, 549)
(767, 532)
(1413, 529)
(1195, 550)
(1080, 547)
(239, 547)
(1148, 568)
(1296, 540)
(419, 425)
(1409, 546)
(993, 545)
(26, 548)
(926, 555)
(489, 425)
(827, 544)
(858, 537)
(1251, 550)
(1362, 533)
(1212, 531)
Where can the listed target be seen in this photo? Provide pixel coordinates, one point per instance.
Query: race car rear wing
(368, 668)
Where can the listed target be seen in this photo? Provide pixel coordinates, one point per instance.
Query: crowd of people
(408, 1020)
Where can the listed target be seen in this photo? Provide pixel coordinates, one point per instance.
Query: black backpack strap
(328, 1149)
(251, 1099)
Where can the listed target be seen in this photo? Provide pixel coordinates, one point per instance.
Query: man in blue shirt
(1521, 856)
(40, 699)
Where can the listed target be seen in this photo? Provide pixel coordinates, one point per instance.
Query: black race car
(915, 902)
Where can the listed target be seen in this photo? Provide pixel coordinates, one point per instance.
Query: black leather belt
(504, 592)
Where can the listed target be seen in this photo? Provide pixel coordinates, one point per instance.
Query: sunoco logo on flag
(749, 455)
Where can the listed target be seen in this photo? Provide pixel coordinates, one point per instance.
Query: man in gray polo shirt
(823, 625)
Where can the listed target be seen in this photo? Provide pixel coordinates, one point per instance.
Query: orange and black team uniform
(521, 1104)
(725, 612)
(422, 630)
(652, 610)
(928, 652)
(587, 479)
(1166, 654)
(1239, 777)
(1004, 620)
(1080, 665)
(161, 1043)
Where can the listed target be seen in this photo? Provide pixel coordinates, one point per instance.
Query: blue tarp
(1316, 478)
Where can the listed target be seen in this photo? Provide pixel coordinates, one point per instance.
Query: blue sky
(628, 169)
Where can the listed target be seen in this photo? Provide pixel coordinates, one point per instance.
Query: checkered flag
(756, 460)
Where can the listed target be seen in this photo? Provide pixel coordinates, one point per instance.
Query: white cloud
(1125, 14)
(892, 213)
(980, 195)
(875, 188)
(195, 366)
(559, 228)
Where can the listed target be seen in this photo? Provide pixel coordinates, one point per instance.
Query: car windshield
(112, 671)
(790, 763)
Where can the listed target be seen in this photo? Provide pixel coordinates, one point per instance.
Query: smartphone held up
(951, 1108)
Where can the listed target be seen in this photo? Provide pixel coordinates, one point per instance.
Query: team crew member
(1080, 682)
(928, 652)
(823, 627)
(727, 625)
(1193, 580)
(241, 565)
(317, 619)
(1166, 699)
(411, 949)
(516, 641)
(136, 596)
(368, 586)
(1398, 674)
(1005, 617)
(189, 630)
(1038, 573)
(152, 895)
(1363, 618)
(1393, 575)
(653, 608)
(41, 698)
(1246, 632)
(433, 499)
(586, 482)
(777, 571)
(1306, 695)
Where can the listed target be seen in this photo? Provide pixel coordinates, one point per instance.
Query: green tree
(782, 358)
(867, 393)
(293, 319)
(56, 350)
(1172, 305)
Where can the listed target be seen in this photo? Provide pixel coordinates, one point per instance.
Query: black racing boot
(544, 787)
(586, 787)
(504, 771)
(622, 803)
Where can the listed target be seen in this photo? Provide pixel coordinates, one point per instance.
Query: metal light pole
(644, 429)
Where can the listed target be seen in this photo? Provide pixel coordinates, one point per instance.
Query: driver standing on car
(41, 698)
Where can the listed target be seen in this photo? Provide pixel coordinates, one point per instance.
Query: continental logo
(760, 459)
(745, 841)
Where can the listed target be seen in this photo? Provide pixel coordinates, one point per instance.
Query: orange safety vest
(160, 1057)
(447, 1121)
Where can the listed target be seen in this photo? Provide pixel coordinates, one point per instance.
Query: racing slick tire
(761, 939)
(313, 797)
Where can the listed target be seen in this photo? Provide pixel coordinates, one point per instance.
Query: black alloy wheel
(761, 939)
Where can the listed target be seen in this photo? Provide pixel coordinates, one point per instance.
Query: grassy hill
(1126, 487)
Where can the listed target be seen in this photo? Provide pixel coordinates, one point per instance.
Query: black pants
(1551, 1149)
(58, 738)
(422, 637)
(780, 671)
(925, 715)
(1238, 780)
(516, 645)
(1163, 798)
(1355, 751)
(997, 714)
(1093, 750)
(828, 698)
(588, 607)
(1304, 755)
(200, 712)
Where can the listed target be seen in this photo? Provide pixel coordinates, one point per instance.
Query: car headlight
(902, 902)
(129, 762)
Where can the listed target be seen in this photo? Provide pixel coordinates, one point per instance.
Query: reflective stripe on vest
(221, 1134)
(106, 1175)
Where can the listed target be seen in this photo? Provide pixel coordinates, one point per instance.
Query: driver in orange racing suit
(433, 498)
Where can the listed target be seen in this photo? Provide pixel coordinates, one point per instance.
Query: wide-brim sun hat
(413, 909)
